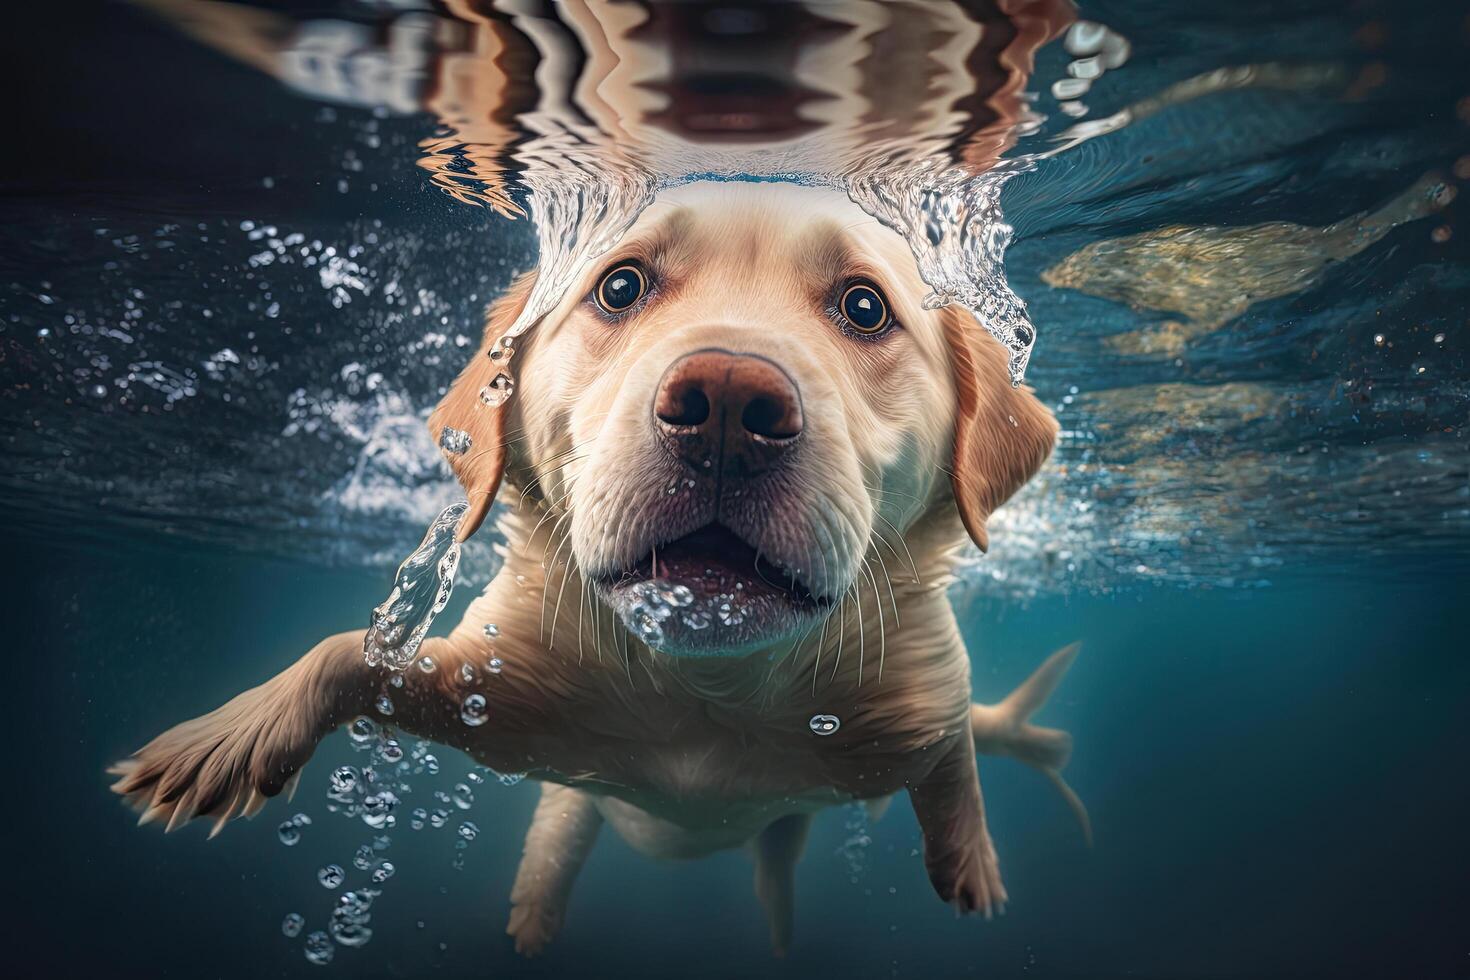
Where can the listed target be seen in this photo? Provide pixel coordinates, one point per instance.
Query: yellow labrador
(742, 438)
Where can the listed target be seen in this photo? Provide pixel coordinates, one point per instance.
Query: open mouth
(709, 593)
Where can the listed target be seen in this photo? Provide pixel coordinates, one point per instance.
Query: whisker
(821, 645)
(882, 629)
(888, 581)
(862, 632)
(581, 601)
(841, 632)
(912, 567)
(556, 611)
(551, 511)
(504, 445)
(561, 521)
(590, 602)
(545, 470)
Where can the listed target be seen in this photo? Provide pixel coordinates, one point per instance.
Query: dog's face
(744, 406)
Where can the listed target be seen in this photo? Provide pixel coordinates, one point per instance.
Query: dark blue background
(1275, 777)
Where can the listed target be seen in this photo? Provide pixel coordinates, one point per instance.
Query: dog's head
(739, 406)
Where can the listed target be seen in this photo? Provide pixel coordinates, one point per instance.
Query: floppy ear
(480, 467)
(1002, 434)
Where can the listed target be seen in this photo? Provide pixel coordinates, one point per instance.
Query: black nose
(738, 411)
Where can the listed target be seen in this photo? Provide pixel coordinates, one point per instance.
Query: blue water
(213, 459)
(1274, 781)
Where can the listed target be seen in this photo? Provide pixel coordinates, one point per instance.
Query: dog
(742, 460)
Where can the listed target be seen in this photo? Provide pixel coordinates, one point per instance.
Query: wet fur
(684, 757)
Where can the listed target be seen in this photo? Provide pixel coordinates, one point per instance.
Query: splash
(654, 603)
(421, 589)
(580, 209)
(953, 223)
(949, 215)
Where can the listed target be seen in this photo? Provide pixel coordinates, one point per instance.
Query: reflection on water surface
(1195, 197)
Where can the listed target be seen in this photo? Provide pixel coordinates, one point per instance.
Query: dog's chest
(700, 761)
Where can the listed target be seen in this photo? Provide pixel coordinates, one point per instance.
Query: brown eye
(864, 308)
(621, 288)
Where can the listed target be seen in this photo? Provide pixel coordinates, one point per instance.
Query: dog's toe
(221, 766)
(533, 926)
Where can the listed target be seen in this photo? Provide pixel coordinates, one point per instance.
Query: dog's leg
(777, 849)
(958, 851)
(561, 836)
(1006, 729)
(227, 763)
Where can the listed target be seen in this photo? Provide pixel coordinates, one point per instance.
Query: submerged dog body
(744, 458)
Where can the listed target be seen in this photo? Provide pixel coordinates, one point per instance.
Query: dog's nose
(738, 411)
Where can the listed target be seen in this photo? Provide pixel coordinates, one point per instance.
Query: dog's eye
(620, 288)
(865, 309)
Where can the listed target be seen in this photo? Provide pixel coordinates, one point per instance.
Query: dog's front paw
(221, 765)
(533, 926)
(968, 878)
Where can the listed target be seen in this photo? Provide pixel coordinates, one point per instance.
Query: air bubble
(344, 780)
(1086, 68)
(292, 924)
(331, 875)
(473, 711)
(319, 949)
(289, 831)
(825, 724)
(1070, 88)
(1085, 37)
(1115, 51)
(498, 391)
(349, 926)
(456, 442)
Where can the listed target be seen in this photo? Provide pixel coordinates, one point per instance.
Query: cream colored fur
(910, 441)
